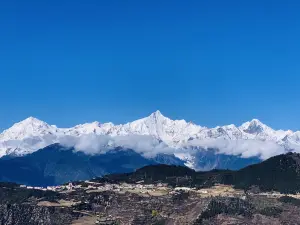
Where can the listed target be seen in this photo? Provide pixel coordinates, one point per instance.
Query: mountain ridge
(32, 134)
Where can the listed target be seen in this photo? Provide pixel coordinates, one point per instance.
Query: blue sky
(212, 62)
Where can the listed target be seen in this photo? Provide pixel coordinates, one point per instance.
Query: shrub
(154, 213)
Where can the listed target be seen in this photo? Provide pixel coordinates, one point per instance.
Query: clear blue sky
(211, 62)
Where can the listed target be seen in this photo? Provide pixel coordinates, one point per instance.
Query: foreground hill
(279, 173)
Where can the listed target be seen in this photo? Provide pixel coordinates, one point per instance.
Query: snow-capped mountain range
(252, 138)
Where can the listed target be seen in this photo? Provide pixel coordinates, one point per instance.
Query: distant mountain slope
(56, 165)
(210, 159)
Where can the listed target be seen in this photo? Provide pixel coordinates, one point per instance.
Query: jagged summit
(32, 134)
(30, 120)
(156, 114)
(27, 128)
(155, 117)
(257, 121)
(253, 126)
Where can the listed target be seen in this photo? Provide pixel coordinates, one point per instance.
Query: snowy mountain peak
(254, 127)
(31, 120)
(255, 121)
(27, 128)
(252, 122)
(157, 115)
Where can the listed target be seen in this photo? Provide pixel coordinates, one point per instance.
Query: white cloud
(150, 146)
(147, 145)
(100, 144)
(244, 148)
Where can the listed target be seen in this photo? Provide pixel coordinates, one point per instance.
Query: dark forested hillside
(280, 173)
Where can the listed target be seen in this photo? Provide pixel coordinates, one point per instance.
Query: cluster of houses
(50, 188)
(90, 186)
(123, 187)
(141, 188)
(106, 220)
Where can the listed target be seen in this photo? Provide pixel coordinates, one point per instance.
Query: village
(128, 192)
(158, 189)
(90, 186)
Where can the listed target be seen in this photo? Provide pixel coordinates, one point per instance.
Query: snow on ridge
(32, 134)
